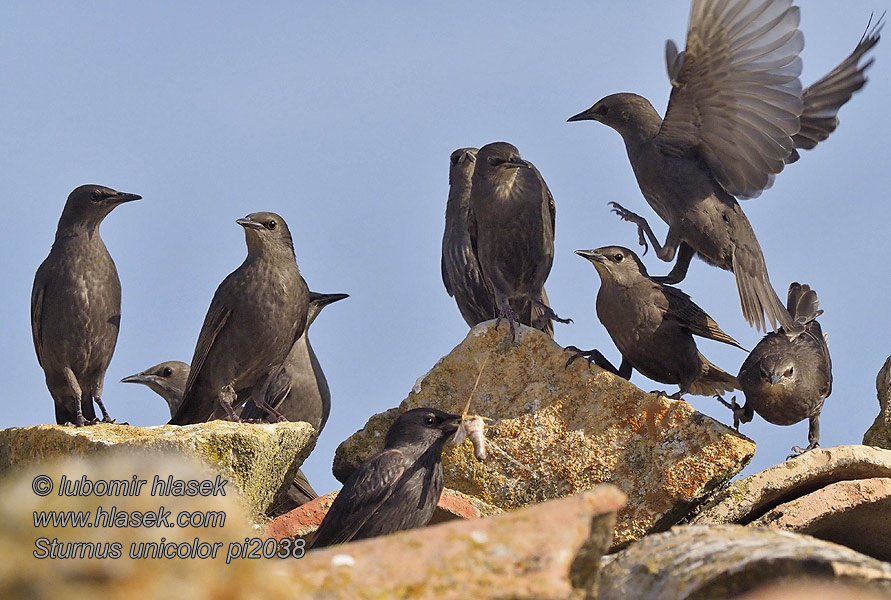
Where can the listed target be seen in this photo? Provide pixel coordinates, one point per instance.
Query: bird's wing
(684, 311)
(216, 318)
(36, 318)
(736, 97)
(362, 495)
(445, 274)
(823, 99)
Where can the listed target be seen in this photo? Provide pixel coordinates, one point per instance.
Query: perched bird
(511, 224)
(788, 375)
(168, 380)
(76, 306)
(297, 389)
(653, 326)
(397, 488)
(461, 272)
(736, 116)
(256, 315)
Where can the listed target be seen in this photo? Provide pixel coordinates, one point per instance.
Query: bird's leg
(227, 396)
(505, 311)
(97, 398)
(665, 251)
(679, 271)
(261, 403)
(74, 386)
(813, 438)
(592, 356)
(741, 414)
(547, 313)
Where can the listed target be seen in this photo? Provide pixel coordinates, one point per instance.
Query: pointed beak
(593, 255)
(773, 378)
(516, 163)
(137, 378)
(585, 115)
(122, 197)
(248, 223)
(326, 299)
(453, 424)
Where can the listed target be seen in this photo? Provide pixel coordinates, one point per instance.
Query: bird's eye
(788, 372)
(619, 257)
(167, 372)
(271, 224)
(601, 110)
(429, 421)
(95, 196)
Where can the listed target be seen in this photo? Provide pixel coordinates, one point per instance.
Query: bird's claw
(579, 353)
(627, 215)
(738, 411)
(798, 450)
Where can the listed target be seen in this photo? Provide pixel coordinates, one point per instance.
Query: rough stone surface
(505, 556)
(718, 562)
(879, 433)
(305, 519)
(261, 460)
(856, 514)
(811, 591)
(560, 430)
(751, 498)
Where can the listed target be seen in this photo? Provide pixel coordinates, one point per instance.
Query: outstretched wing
(362, 495)
(736, 96)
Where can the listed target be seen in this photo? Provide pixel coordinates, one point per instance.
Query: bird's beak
(325, 299)
(453, 424)
(248, 223)
(122, 197)
(585, 115)
(467, 157)
(773, 378)
(516, 163)
(593, 255)
(137, 378)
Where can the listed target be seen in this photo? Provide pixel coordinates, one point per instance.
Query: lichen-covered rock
(719, 562)
(558, 430)
(840, 494)
(551, 550)
(260, 459)
(879, 433)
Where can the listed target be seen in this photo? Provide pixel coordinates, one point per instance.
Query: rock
(512, 555)
(261, 460)
(722, 561)
(879, 433)
(811, 591)
(840, 494)
(305, 519)
(560, 430)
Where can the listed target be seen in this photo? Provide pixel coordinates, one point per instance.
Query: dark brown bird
(76, 306)
(653, 326)
(736, 117)
(399, 487)
(297, 389)
(788, 375)
(461, 272)
(168, 380)
(256, 315)
(511, 225)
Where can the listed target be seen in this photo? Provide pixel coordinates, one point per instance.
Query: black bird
(168, 380)
(511, 225)
(653, 326)
(76, 306)
(461, 272)
(788, 375)
(297, 389)
(256, 315)
(397, 488)
(736, 117)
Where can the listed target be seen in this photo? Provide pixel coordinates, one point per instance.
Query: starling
(653, 326)
(76, 306)
(256, 315)
(511, 225)
(788, 375)
(736, 116)
(397, 488)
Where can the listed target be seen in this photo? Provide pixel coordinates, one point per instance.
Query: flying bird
(511, 224)
(76, 306)
(653, 325)
(736, 116)
(788, 374)
(399, 487)
(256, 315)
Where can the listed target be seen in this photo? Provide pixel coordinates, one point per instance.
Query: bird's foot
(105, 417)
(661, 393)
(590, 355)
(627, 215)
(739, 413)
(506, 312)
(547, 314)
(227, 396)
(798, 450)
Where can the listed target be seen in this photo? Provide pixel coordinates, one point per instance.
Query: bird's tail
(802, 303)
(756, 294)
(713, 381)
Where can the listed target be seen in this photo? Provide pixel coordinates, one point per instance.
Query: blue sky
(341, 118)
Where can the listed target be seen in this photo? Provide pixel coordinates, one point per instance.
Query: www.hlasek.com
(113, 517)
